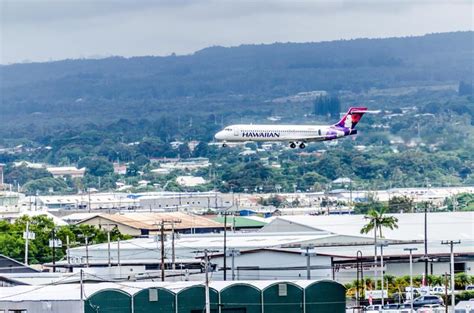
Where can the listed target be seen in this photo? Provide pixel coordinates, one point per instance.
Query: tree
(12, 243)
(45, 184)
(461, 280)
(132, 169)
(96, 166)
(399, 204)
(377, 221)
(325, 106)
(183, 151)
(201, 150)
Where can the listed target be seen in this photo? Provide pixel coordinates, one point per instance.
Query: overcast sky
(42, 30)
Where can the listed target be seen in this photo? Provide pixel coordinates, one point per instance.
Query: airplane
(296, 135)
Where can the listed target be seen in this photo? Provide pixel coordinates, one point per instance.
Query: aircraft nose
(219, 135)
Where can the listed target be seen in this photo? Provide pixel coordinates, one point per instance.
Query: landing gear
(292, 145)
(224, 145)
(302, 145)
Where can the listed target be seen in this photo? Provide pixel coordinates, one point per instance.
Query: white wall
(277, 260)
(72, 306)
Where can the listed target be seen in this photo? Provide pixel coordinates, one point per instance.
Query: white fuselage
(290, 133)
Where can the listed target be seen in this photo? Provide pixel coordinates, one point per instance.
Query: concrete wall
(71, 306)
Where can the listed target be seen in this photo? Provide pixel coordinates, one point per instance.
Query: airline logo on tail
(351, 118)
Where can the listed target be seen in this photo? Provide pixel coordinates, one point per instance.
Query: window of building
(282, 290)
(153, 295)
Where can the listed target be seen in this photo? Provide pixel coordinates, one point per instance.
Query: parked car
(426, 300)
(470, 288)
(438, 290)
(373, 308)
(432, 308)
(394, 308)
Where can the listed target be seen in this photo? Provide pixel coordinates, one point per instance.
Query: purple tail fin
(351, 118)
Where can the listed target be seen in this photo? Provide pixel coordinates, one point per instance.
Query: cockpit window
(228, 129)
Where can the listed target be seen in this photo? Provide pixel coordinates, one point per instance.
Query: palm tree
(378, 220)
(461, 280)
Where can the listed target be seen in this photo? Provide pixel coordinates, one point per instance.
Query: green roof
(240, 221)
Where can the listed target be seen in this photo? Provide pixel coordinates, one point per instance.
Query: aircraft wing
(309, 139)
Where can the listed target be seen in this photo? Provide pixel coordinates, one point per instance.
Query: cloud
(45, 29)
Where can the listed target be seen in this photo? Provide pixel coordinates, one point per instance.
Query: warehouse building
(182, 297)
(275, 251)
(145, 223)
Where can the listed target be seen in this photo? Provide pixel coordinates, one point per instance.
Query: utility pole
(81, 279)
(411, 275)
(206, 270)
(67, 250)
(426, 241)
(108, 246)
(118, 252)
(375, 254)
(307, 252)
(173, 255)
(451, 243)
(233, 253)
(446, 282)
(162, 239)
(27, 237)
(54, 249)
(206, 264)
(87, 251)
(225, 245)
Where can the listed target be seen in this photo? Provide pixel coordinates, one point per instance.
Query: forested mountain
(91, 113)
(218, 80)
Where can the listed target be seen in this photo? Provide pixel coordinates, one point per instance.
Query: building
(190, 181)
(92, 201)
(145, 223)
(187, 201)
(120, 168)
(63, 171)
(262, 255)
(188, 164)
(10, 266)
(44, 278)
(275, 251)
(410, 233)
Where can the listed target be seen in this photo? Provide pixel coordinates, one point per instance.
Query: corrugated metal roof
(152, 221)
(441, 226)
(240, 222)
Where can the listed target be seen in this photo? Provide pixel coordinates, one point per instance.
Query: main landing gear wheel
(292, 145)
(302, 145)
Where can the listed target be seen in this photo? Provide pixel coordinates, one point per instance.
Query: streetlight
(411, 275)
(381, 245)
